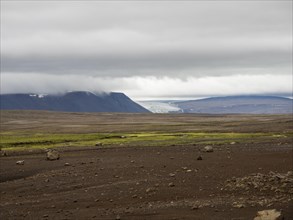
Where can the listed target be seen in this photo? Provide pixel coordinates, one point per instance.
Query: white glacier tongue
(159, 107)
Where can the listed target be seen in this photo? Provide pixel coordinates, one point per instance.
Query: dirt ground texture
(136, 182)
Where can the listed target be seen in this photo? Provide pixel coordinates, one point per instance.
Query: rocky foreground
(233, 181)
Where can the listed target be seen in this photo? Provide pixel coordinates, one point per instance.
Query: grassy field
(27, 130)
(15, 141)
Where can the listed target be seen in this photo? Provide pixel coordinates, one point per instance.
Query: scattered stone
(233, 142)
(98, 144)
(150, 190)
(188, 171)
(171, 184)
(172, 174)
(238, 205)
(199, 157)
(20, 162)
(3, 153)
(53, 155)
(274, 182)
(278, 185)
(270, 214)
(134, 196)
(195, 207)
(208, 149)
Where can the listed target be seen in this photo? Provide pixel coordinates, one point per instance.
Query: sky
(147, 49)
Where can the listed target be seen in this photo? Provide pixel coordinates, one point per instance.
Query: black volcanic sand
(151, 182)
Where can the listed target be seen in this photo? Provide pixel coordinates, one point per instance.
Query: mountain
(71, 102)
(238, 105)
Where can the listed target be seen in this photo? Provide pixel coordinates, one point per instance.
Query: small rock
(98, 144)
(188, 171)
(172, 174)
(199, 158)
(270, 214)
(53, 155)
(3, 153)
(238, 205)
(67, 164)
(171, 184)
(194, 207)
(20, 162)
(208, 149)
(233, 142)
(149, 190)
(118, 217)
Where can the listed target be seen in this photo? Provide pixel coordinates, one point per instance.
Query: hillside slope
(238, 104)
(71, 102)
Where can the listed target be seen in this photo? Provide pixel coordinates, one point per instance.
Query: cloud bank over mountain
(147, 49)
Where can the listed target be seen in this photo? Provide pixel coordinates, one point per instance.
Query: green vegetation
(27, 141)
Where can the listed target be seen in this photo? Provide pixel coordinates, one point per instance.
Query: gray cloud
(129, 40)
(150, 87)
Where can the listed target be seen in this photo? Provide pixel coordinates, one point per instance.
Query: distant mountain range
(238, 105)
(119, 102)
(71, 102)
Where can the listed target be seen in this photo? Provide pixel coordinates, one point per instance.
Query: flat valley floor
(149, 179)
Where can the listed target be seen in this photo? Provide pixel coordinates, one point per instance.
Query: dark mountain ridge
(238, 105)
(78, 101)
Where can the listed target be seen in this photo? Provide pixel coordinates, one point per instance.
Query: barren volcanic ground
(145, 166)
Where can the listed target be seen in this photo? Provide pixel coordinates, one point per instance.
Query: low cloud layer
(147, 49)
(149, 88)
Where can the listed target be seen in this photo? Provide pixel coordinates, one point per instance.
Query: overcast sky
(148, 50)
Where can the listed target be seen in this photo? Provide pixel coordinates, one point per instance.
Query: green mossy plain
(28, 141)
